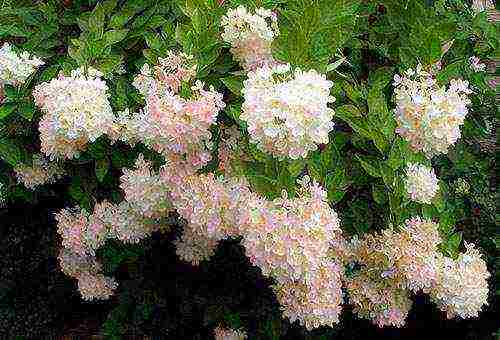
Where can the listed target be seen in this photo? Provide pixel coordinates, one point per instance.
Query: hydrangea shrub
(313, 131)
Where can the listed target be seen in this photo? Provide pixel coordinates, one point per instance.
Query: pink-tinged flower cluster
(77, 111)
(73, 226)
(407, 257)
(91, 283)
(462, 288)
(429, 116)
(82, 234)
(145, 190)
(169, 123)
(250, 36)
(288, 238)
(476, 65)
(287, 113)
(421, 183)
(96, 286)
(397, 263)
(195, 247)
(41, 171)
(221, 333)
(213, 207)
(314, 303)
(15, 68)
(378, 300)
(168, 74)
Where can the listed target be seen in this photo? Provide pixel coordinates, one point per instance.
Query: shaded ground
(39, 302)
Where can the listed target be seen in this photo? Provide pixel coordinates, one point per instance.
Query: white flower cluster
(250, 35)
(462, 287)
(476, 65)
(421, 183)
(40, 172)
(77, 111)
(287, 113)
(16, 68)
(168, 74)
(429, 116)
(221, 333)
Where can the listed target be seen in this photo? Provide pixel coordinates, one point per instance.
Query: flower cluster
(91, 283)
(16, 68)
(429, 116)
(145, 190)
(250, 36)
(380, 301)
(462, 287)
(77, 111)
(288, 238)
(393, 264)
(194, 247)
(212, 206)
(221, 333)
(83, 233)
(476, 65)
(168, 74)
(41, 171)
(315, 303)
(287, 113)
(421, 183)
(169, 123)
(482, 5)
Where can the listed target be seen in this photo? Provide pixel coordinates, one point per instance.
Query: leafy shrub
(347, 144)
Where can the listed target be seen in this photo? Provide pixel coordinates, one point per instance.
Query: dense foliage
(347, 146)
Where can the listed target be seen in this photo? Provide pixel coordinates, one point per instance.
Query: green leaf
(296, 167)
(96, 20)
(370, 164)
(10, 152)
(351, 115)
(398, 153)
(379, 115)
(335, 184)
(379, 193)
(380, 78)
(101, 168)
(234, 84)
(27, 110)
(6, 110)
(115, 36)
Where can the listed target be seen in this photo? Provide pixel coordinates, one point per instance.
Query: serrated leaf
(370, 164)
(234, 84)
(115, 36)
(351, 115)
(380, 78)
(335, 185)
(295, 167)
(6, 110)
